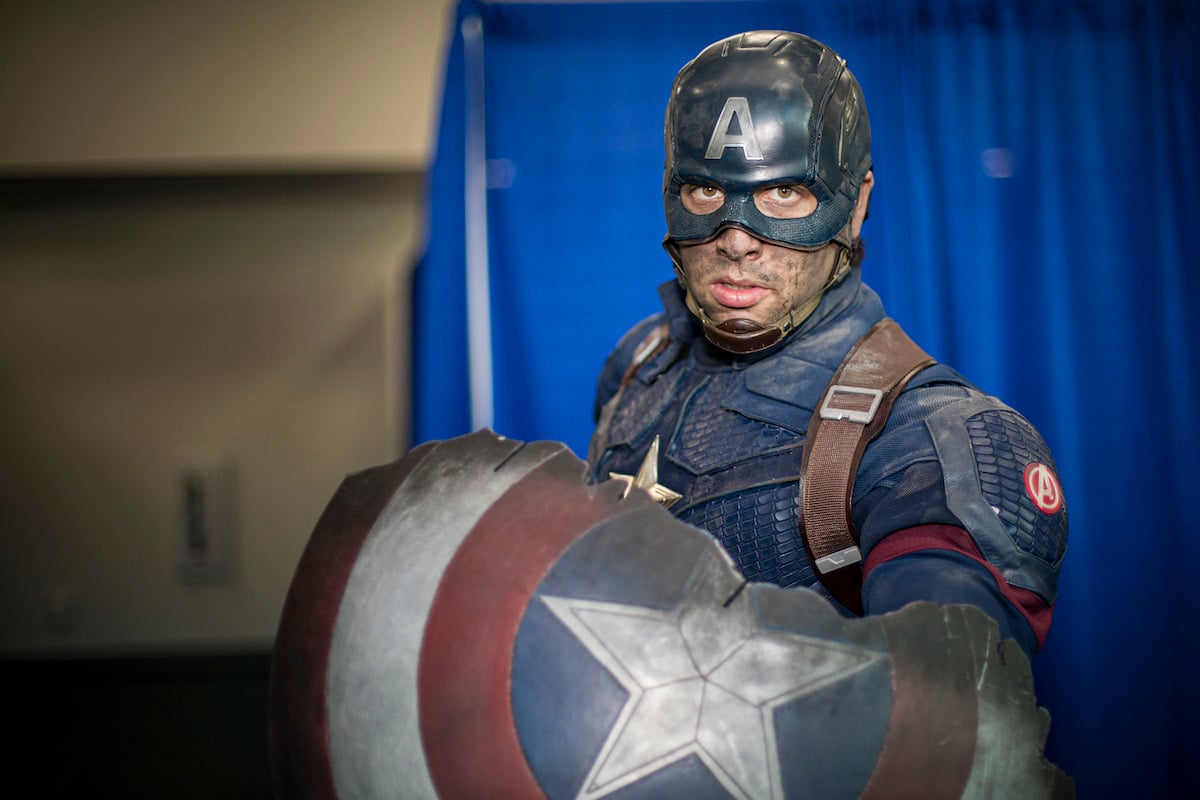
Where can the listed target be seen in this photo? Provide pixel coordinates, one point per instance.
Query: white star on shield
(703, 679)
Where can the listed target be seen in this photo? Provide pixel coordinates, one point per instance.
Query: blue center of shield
(643, 668)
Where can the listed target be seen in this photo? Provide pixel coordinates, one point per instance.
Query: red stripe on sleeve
(953, 538)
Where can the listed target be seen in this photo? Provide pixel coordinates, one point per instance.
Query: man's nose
(737, 244)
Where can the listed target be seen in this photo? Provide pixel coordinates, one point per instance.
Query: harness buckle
(854, 412)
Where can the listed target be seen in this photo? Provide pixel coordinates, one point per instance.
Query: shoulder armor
(937, 374)
(620, 358)
(1001, 482)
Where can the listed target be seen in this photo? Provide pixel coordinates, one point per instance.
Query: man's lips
(737, 295)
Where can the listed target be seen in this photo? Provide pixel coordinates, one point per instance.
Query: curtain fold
(1032, 225)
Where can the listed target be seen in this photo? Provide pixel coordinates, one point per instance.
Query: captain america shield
(476, 621)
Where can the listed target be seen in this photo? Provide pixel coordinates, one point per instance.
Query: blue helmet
(759, 109)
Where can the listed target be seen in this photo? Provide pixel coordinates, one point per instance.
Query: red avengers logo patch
(1041, 484)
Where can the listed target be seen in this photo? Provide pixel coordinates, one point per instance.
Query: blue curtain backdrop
(1034, 224)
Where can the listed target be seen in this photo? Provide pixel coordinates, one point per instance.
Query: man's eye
(701, 199)
(783, 192)
(786, 202)
(706, 192)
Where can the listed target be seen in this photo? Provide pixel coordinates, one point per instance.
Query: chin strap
(743, 336)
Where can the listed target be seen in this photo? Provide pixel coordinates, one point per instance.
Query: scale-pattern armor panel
(1004, 443)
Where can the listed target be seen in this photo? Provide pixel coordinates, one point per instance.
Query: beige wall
(279, 84)
(217, 268)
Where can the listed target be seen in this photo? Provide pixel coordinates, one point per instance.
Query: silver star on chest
(703, 679)
(647, 479)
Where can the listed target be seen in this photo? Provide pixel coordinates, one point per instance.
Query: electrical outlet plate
(207, 490)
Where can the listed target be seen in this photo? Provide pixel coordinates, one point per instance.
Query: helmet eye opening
(777, 200)
(786, 200)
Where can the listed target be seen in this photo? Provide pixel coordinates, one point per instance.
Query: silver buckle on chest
(831, 409)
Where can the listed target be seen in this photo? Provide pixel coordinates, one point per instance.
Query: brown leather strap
(853, 411)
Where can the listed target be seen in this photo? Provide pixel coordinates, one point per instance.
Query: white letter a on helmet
(747, 139)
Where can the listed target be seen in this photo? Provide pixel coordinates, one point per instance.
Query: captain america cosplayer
(713, 404)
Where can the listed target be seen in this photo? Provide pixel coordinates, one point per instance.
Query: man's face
(736, 275)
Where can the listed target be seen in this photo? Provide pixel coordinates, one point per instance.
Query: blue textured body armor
(731, 429)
